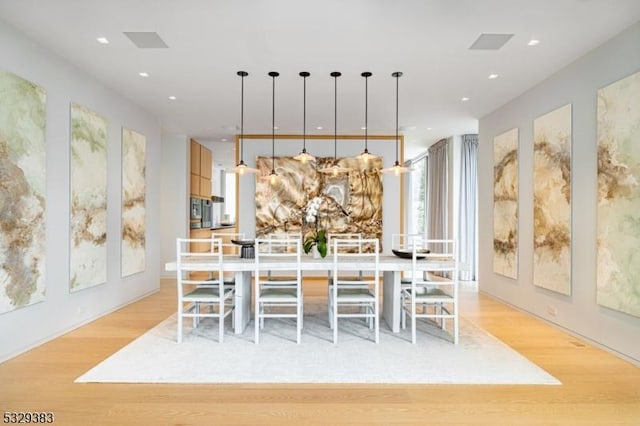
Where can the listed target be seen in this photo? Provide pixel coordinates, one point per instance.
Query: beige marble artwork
(22, 192)
(133, 202)
(618, 277)
(350, 203)
(505, 204)
(552, 201)
(88, 233)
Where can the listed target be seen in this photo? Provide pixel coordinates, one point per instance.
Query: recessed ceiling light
(102, 40)
(223, 140)
(173, 98)
(319, 128)
(143, 74)
(429, 128)
(533, 42)
(276, 128)
(493, 76)
(465, 99)
(407, 128)
(363, 128)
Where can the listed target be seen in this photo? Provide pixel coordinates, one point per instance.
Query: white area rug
(155, 357)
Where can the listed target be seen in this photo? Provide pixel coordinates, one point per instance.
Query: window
(416, 194)
(230, 196)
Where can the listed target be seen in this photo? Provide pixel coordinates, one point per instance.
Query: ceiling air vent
(145, 40)
(490, 41)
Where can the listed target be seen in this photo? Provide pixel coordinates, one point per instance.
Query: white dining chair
(433, 292)
(281, 298)
(355, 296)
(229, 249)
(200, 284)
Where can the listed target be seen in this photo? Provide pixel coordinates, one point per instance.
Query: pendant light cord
(241, 116)
(304, 114)
(335, 119)
(366, 114)
(273, 124)
(397, 80)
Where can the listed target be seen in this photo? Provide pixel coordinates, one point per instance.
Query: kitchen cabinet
(201, 163)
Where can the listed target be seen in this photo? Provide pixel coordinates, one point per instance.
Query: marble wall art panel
(348, 203)
(22, 192)
(88, 164)
(552, 201)
(133, 202)
(505, 204)
(618, 235)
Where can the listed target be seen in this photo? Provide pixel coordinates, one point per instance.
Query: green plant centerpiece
(319, 240)
(319, 237)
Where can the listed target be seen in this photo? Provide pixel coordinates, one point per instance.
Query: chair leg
(330, 308)
(413, 321)
(179, 325)
(299, 323)
(376, 320)
(221, 320)
(256, 335)
(334, 309)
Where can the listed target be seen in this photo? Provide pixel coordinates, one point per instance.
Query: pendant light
(273, 176)
(365, 155)
(396, 169)
(304, 156)
(241, 168)
(335, 169)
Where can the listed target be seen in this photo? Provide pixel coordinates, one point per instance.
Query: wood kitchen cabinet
(201, 163)
(205, 163)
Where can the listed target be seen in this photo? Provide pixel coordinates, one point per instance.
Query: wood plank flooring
(598, 388)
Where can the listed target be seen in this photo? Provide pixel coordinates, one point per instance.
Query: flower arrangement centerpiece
(319, 237)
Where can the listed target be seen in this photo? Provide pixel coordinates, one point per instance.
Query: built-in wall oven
(196, 213)
(206, 214)
(201, 212)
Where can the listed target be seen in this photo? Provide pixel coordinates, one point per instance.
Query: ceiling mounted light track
(241, 168)
(397, 168)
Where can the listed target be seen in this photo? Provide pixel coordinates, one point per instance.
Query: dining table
(391, 267)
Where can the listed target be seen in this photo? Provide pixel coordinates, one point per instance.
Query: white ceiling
(428, 40)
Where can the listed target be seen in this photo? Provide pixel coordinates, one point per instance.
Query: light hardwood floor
(598, 388)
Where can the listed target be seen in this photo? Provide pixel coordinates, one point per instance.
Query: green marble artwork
(505, 204)
(618, 235)
(133, 202)
(88, 233)
(552, 200)
(22, 192)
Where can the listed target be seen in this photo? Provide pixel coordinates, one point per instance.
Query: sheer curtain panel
(468, 207)
(438, 190)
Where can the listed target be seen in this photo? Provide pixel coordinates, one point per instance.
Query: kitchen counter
(216, 227)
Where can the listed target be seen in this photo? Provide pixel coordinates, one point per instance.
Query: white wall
(576, 84)
(61, 311)
(323, 148)
(174, 198)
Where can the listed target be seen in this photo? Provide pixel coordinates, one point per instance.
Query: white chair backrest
(280, 236)
(353, 255)
(281, 254)
(346, 236)
(404, 241)
(190, 261)
(441, 251)
(434, 249)
(229, 248)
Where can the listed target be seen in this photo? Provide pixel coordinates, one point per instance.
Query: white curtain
(438, 190)
(468, 205)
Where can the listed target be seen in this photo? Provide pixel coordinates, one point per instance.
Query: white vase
(316, 253)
